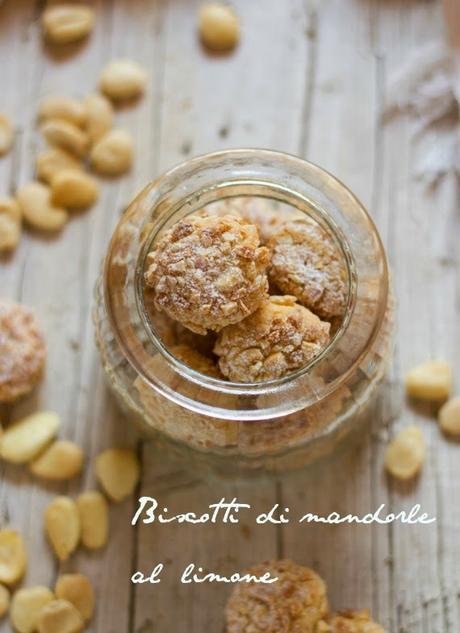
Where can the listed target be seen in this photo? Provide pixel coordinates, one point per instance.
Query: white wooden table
(309, 78)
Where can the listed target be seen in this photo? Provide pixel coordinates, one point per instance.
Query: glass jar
(236, 428)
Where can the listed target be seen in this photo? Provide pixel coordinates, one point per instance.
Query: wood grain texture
(309, 78)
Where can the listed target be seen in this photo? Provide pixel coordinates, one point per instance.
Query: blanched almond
(118, 472)
(94, 519)
(5, 600)
(77, 589)
(65, 23)
(123, 79)
(60, 616)
(53, 160)
(62, 524)
(449, 416)
(25, 439)
(13, 557)
(60, 461)
(66, 135)
(430, 381)
(73, 189)
(405, 455)
(219, 26)
(99, 118)
(27, 605)
(60, 107)
(10, 224)
(113, 153)
(35, 202)
(6, 134)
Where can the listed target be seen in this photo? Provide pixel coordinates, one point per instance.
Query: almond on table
(118, 472)
(60, 616)
(54, 160)
(10, 224)
(219, 26)
(62, 460)
(405, 454)
(99, 116)
(77, 589)
(13, 557)
(62, 525)
(66, 135)
(23, 440)
(73, 189)
(26, 606)
(67, 22)
(94, 519)
(61, 107)
(37, 209)
(6, 134)
(430, 381)
(449, 416)
(5, 600)
(113, 154)
(123, 79)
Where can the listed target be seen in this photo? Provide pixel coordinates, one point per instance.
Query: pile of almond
(80, 138)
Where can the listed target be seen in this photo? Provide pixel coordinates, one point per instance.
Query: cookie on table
(296, 603)
(22, 351)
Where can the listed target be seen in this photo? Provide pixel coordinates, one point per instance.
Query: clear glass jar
(236, 428)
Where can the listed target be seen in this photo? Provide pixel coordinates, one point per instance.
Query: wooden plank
(211, 103)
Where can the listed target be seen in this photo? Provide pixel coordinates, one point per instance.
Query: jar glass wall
(245, 427)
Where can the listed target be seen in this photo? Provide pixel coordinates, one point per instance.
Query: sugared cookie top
(276, 339)
(307, 264)
(293, 604)
(208, 272)
(353, 622)
(22, 351)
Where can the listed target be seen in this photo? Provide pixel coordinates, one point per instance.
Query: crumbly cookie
(352, 622)
(208, 272)
(279, 337)
(307, 264)
(268, 215)
(22, 351)
(192, 358)
(293, 604)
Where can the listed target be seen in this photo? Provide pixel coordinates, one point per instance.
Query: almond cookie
(208, 272)
(352, 622)
(307, 264)
(278, 338)
(22, 351)
(295, 603)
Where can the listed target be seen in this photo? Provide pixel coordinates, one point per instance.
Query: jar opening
(266, 204)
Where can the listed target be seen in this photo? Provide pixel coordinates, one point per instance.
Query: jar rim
(179, 188)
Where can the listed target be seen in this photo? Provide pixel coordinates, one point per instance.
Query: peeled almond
(13, 557)
(60, 616)
(449, 417)
(118, 472)
(27, 605)
(60, 461)
(405, 455)
(5, 600)
(430, 381)
(94, 519)
(73, 189)
(60, 107)
(24, 440)
(77, 589)
(62, 525)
